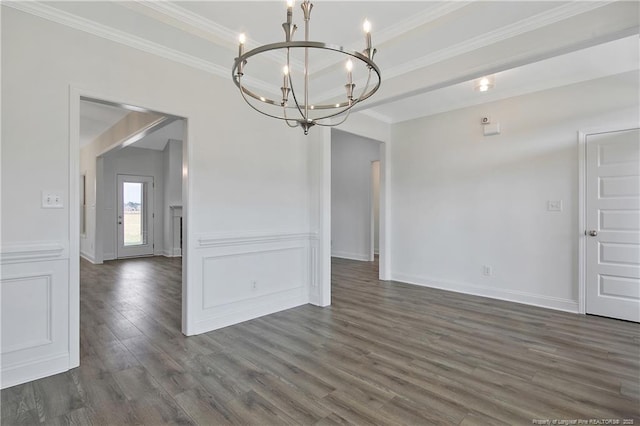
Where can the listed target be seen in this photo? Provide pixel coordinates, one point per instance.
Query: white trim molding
(59, 16)
(363, 257)
(89, 258)
(531, 23)
(179, 17)
(255, 308)
(557, 303)
(250, 237)
(33, 251)
(34, 369)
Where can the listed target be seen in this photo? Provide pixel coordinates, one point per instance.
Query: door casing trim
(76, 93)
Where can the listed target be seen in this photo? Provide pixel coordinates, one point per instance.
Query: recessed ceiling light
(485, 83)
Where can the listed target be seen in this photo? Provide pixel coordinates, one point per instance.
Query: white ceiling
(158, 140)
(613, 58)
(429, 52)
(96, 118)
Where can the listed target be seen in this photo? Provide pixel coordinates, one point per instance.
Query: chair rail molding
(21, 252)
(223, 239)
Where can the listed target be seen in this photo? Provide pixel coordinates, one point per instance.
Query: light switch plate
(554, 205)
(51, 200)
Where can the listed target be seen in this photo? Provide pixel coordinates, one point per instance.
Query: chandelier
(295, 106)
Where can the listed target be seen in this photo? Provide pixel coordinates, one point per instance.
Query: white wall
(137, 162)
(172, 157)
(351, 195)
(461, 200)
(247, 182)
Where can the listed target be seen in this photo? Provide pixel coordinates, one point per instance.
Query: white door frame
(75, 94)
(582, 207)
(372, 245)
(384, 272)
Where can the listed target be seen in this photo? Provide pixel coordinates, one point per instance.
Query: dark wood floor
(383, 353)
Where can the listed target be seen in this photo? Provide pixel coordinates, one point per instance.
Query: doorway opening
(131, 163)
(129, 181)
(355, 198)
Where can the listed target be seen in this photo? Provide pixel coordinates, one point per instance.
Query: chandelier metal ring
(303, 44)
(306, 113)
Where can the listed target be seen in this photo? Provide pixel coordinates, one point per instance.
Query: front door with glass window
(135, 216)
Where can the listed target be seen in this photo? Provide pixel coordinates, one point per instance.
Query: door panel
(135, 216)
(613, 224)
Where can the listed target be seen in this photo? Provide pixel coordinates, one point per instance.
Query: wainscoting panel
(247, 275)
(26, 300)
(34, 289)
(233, 278)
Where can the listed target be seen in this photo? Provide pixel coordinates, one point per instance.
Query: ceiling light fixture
(485, 83)
(295, 108)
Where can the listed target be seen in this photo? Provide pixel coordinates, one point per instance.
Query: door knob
(593, 233)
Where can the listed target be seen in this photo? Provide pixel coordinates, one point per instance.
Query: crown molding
(512, 30)
(170, 12)
(433, 12)
(517, 28)
(53, 14)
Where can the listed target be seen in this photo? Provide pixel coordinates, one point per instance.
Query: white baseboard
(34, 369)
(247, 311)
(559, 304)
(172, 253)
(86, 256)
(351, 256)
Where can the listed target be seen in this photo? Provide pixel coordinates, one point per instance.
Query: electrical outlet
(487, 270)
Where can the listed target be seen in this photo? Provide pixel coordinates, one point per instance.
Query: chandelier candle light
(301, 112)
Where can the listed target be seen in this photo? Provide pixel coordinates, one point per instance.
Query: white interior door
(613, 224)
(135, 216)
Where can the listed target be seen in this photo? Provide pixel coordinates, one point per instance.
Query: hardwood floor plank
(252, 409)
(79, 417)
(205, 409)
(106, 403)
(18, 405)
(55, 396)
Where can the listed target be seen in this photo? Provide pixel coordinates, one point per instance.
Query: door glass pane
(133, 209)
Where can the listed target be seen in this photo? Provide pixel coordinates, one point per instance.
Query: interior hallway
(383, 353)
